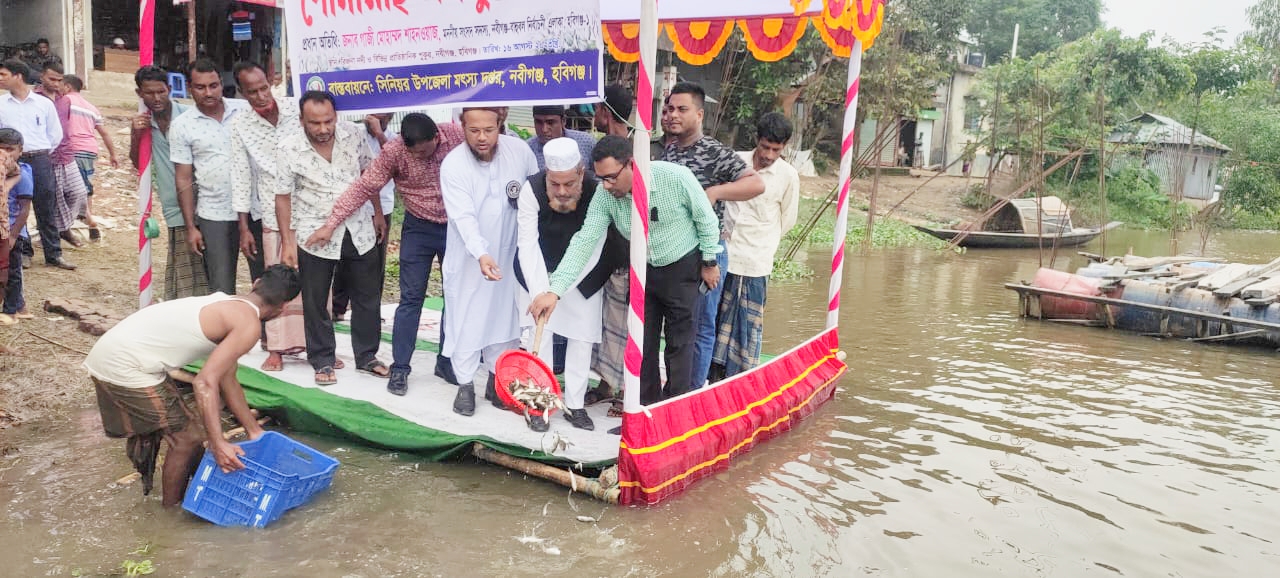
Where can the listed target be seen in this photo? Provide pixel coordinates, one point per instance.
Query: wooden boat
(1015, 226)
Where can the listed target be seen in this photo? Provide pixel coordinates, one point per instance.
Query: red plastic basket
(524, 366)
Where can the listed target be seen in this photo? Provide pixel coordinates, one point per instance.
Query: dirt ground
(43, 375)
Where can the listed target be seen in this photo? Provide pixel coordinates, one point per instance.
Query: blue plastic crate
(279, 474)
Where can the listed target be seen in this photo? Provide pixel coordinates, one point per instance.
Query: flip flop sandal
(273, 368)
(372, 367)
(325, 376)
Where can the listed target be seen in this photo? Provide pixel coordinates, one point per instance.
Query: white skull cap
(562, 154)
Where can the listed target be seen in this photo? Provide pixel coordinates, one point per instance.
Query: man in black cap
(548, 121)
(612, 112)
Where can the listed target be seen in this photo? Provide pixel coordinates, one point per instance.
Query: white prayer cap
(562, 154)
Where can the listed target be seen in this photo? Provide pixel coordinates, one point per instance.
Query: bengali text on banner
(382, 55)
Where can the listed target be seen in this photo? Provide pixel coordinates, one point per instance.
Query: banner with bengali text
(385, 55)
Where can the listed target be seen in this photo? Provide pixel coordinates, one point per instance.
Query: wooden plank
(1262, 290)
(1232, 336)
(1139, 263)
(1226, 275)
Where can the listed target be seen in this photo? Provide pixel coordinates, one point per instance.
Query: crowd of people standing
(523, 230)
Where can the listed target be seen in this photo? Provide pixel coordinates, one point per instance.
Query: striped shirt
(83, 121)
(680, 220)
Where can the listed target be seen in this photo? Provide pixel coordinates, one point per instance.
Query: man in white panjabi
(477, 183)
(552, 208)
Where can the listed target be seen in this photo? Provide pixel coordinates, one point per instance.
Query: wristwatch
(709, 263)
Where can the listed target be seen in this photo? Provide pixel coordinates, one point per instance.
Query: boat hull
(989, 240)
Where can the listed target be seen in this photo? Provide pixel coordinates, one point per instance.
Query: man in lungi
(138, 400)
(184, 274)
(552, 207)
(759, 225)
(254, 138)
(477, 182)
(72, 197)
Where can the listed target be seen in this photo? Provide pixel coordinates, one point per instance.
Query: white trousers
(466, 364)
(577, 367)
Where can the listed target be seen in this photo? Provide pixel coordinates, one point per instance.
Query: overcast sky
(1184, 20)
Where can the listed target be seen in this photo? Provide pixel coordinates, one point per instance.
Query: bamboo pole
(583, 485)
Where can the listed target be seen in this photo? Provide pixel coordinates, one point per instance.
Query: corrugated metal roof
(1150, 128)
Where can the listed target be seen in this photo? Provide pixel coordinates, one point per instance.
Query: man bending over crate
(138, 400)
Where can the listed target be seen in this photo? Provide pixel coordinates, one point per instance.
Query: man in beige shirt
(760, 224)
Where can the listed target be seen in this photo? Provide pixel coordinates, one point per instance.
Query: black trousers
(45, 203)
(670, 307)
(257, 264)
(222, 253)
(360, 276)
(340, 297)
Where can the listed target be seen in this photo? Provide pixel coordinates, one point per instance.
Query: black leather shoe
(538, 423)
(491, 393)
(579, 419)
(465, 402)
(444, 370)
(399, 383)
(61, 263)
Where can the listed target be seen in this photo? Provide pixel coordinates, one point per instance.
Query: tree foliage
(1044, 25)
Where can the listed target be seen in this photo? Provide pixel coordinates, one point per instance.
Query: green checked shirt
(680, 220)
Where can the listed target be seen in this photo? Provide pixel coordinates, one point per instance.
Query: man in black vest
(552, 207)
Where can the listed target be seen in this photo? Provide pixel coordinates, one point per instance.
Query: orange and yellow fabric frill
(840, 23)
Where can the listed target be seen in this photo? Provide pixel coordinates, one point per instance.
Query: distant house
(1167, 151)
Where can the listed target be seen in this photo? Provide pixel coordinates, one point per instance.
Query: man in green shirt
(684, 239)
(184, 274)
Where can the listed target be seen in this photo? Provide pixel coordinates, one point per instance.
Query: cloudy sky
(1184, 20)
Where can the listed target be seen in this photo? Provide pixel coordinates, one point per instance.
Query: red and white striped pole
(848, 151)
(640, 203)
(146, 55)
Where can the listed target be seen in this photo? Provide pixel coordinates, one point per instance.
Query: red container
(524, 366)
(1054, 307)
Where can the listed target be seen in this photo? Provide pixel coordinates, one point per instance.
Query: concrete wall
(25, 21)
(958, 136)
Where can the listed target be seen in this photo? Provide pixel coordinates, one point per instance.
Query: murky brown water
(965, 442)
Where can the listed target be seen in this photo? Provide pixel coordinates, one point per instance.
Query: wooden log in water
(566, 478)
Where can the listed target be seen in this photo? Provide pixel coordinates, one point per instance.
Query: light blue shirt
(35, 118)
(204, 143)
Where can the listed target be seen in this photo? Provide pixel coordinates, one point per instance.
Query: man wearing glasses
(684, 239)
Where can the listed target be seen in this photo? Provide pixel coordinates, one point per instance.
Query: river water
(964, 441)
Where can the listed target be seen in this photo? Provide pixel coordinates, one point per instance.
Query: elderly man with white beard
(477, 183)
(552, 208)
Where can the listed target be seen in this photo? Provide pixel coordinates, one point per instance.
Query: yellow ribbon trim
(725, 456)
(704, 427)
